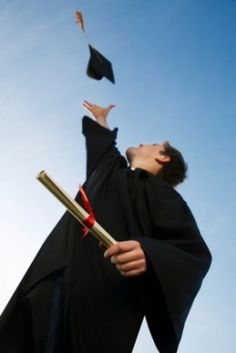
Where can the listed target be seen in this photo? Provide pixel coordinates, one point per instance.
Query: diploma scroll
(75, 209)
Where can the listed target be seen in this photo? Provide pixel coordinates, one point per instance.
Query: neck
(151, 168)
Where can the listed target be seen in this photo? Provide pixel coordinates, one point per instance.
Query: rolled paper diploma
(75, 209)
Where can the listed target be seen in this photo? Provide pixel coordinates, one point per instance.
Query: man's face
(146, 152)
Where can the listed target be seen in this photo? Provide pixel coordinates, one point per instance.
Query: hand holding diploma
(129, 258)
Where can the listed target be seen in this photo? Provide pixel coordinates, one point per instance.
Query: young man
(157, 159)
(75, 300)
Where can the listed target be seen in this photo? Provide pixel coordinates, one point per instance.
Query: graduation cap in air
(98, 66)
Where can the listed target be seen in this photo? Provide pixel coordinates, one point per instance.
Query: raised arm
(100, 140)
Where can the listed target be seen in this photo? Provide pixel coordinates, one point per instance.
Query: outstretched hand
(99, 113)
(128, 257)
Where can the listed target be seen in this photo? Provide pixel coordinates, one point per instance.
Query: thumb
(111, 106)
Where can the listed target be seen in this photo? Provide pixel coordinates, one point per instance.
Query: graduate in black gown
(75, 298)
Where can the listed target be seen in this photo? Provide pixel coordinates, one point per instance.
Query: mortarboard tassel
(80, 20)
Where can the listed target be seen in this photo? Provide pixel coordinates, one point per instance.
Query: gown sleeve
(100, 145)
(179, 258)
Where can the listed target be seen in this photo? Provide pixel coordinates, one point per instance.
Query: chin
(130, 153)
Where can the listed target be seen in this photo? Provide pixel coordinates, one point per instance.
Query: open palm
(97, 111)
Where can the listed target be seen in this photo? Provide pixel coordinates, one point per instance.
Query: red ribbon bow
(89, 221)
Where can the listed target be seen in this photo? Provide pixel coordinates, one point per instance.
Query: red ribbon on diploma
(89, 221)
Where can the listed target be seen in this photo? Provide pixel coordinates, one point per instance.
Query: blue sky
(175, 68)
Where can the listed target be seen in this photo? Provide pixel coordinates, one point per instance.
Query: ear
(162, 159)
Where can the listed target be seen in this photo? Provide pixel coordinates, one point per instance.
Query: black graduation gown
(74, 300)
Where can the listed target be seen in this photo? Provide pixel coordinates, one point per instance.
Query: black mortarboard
(99, 66)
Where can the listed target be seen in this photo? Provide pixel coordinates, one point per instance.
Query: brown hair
(175, 171)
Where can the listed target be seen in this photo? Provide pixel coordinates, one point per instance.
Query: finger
(113, 250)
(88, 103)
(90, 109)
(129, 256)
(131, 266)
(133, 273)
(87, 107)
(128, 245)
(123, 247)
(110, 107)
(113, 259)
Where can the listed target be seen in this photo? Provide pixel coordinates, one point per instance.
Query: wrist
(102, 121)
